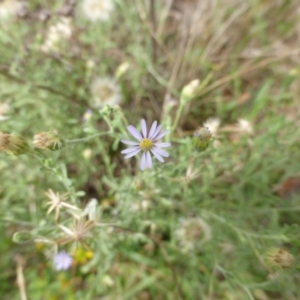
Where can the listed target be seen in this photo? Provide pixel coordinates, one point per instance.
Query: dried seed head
(212, 124)
(95, 10)
(48, 140)
(14, 144)
(192, 233)
(105, 91)
(279, 258)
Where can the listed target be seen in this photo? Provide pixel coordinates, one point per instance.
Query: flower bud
(106, 111)
(188, 92)
(122, 69)
(48, 140)
(192, 233)
(279, 258)
(87, 153)
(14, 144)
(87, 115)
(201, 139)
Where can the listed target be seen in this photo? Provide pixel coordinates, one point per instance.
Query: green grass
(244, 186)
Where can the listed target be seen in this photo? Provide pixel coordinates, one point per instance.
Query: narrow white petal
(162, 145)
(133, 131)
(155, 133)
(143, 162)
(129, 142)
(66, 230)
(144, 128)
(161, 152)
(161, 135)
(152, 129)
(133, 153)
(157, 155)
(149, 160)
(129, 150)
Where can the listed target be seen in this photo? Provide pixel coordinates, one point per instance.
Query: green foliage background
(246, 55)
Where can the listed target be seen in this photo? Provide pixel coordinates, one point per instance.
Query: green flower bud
(106, 111)
(48, 140)
(188, 92)
(122, 69)
(14, 144)
(202, 137)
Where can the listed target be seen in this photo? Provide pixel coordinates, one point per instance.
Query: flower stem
(178, 116)
(78, 141)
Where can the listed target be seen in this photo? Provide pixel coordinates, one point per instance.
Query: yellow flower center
(146, 144)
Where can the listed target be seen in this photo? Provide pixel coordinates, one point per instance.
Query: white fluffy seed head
(97, 10)
(105, 91)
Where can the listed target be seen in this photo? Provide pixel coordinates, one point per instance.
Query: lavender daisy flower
(148, 143)
(62, 261)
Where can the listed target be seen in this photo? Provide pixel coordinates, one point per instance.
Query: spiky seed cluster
(57, 202)
(14, 144)
(279, 258)
(77, 233)
(202, 137)
(48, 140)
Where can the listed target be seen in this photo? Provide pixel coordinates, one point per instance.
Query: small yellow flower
(82, 256)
